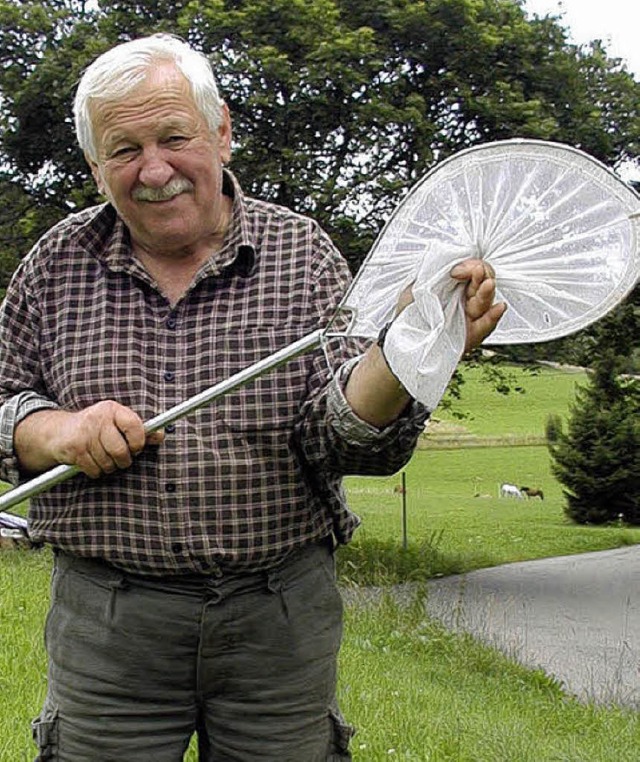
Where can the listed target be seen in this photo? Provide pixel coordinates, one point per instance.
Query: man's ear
(224, 135)
(97, 176)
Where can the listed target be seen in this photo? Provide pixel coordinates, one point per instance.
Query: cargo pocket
(341, 735)
(45, 734)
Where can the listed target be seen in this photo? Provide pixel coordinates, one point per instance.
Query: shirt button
(177, 547)
(170, 487)
(171, 322)
(170, 428)
(216, 571)
(169, 375)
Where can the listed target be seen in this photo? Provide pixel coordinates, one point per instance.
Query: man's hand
(374, 393)
(482, 315)
(98, 440)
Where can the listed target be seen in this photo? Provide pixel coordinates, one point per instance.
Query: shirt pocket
(272, 400)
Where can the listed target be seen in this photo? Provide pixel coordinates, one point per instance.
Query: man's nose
(155, 171)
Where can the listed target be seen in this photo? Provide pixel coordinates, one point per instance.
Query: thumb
(155, 437)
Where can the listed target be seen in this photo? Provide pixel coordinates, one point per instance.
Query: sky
(615, 22)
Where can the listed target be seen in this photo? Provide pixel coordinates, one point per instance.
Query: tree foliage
(338, 106)
(598, 458)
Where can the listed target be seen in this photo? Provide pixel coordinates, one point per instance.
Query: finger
(112, 451)
(489, 272)
(482, 278)
(131, 427)
(477, 304)
(464, 270)
(155, 437)
(473, 268)
(481, 328)
(477, 279)
(89, 466)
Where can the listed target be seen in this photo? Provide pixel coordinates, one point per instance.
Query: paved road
(577, 617)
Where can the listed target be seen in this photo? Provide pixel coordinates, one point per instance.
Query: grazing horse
(532, 492)
(510, 490)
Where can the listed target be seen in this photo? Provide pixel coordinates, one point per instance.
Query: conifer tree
(597, 460)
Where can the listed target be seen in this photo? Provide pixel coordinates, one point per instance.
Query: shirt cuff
(351, 427)
(14, 410)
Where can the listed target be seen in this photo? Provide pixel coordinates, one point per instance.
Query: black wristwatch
(383, 334)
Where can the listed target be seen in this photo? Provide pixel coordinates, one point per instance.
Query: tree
(339, 106)
(598, 458)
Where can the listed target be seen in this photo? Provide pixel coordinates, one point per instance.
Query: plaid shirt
(238, 484)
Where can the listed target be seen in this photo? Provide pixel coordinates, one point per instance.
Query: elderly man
(193, 589)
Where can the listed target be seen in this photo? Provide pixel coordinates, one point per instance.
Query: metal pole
(61, 473)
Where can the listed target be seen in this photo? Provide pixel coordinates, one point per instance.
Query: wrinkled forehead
(162, 99)
(155, 81)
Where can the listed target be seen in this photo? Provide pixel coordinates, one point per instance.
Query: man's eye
(123, 153)
(175, 140)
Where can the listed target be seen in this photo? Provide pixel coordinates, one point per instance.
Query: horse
(510, 490)
(532, 492)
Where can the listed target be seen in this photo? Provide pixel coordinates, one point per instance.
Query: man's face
(160, 166)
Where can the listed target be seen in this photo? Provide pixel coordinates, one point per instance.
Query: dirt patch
(436, 427)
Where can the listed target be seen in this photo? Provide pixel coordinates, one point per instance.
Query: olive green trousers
(247, 663)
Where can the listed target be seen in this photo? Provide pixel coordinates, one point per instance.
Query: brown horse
(532, 492)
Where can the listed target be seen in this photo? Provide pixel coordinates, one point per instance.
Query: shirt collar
(239, 247)
(106, 234)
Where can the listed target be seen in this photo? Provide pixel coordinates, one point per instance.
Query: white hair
(120, 70)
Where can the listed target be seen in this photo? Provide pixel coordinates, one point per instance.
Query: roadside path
(577, 617)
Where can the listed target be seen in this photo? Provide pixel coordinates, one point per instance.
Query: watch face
(560, 230)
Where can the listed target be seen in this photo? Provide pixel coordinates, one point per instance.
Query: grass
(415, 691)
(420, 693)
(544, 391)
(455, 521)
(24, 599)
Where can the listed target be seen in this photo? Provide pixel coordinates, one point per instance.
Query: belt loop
(114, 586)
(275, 585)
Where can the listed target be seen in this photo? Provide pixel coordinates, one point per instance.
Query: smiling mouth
(168, 192)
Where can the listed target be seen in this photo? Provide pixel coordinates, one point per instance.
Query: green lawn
(487, 412)
(417, 692)
(456, 521)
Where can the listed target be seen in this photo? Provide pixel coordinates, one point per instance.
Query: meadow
(414, 690)
(451, 518)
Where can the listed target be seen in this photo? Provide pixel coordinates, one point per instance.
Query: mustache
(173, 188)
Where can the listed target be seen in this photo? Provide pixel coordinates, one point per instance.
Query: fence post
(404, 511)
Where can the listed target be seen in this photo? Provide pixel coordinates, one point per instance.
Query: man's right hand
(98, 440)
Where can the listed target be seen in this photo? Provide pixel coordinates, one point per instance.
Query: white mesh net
(560, 230)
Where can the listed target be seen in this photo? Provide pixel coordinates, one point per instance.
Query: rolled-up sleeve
(14, 410)
(21, 389)
(335, 440)
(366, 449)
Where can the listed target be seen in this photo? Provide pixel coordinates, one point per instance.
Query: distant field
(488, 413)
(455, 519)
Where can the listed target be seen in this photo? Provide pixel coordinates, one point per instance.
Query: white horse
(510, 490)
